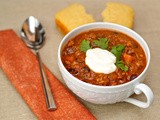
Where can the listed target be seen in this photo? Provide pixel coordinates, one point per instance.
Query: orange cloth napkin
(21, 67)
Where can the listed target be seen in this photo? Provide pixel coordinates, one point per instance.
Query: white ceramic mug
(108, 94)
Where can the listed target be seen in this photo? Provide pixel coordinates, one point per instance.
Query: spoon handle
(47, 90)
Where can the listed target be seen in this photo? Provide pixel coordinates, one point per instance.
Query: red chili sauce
(133, 56)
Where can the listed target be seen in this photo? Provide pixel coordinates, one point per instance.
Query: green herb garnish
(117, 51)
(85, 45)
(121, 65)
(102, 43)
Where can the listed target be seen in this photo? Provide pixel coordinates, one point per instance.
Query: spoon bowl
(33, 35)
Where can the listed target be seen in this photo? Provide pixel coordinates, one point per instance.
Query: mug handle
(147, 92)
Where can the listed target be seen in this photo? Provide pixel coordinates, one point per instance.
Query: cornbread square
(118, 13)
(72, 17)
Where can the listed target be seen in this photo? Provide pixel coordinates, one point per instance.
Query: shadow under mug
(108, 94)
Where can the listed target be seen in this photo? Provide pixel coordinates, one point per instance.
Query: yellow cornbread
(72, 17)
(118, 13)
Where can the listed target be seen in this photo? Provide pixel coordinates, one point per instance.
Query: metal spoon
(33, 35)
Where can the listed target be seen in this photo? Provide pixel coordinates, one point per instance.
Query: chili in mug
(130, 64)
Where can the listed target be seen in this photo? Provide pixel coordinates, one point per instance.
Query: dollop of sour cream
(100, 61)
